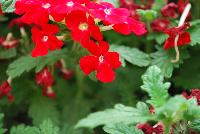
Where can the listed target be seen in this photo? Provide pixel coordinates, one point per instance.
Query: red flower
(45, 39)
(67, 6)
(184, 37)
(67, 74)
(5, 90)
(9, 42)
(44, 78)
(0, 10)
(36, 11)
(101, 60)
(48, 91)
(158, 128)
(131, 25)
(82, 27)
(181, 6)
(146, 128)
(107, 12)
(170, 10)
(194, 93)
(159, 25)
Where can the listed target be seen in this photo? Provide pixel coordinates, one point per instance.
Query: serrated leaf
(121, 128)
(27, 63)
(41, 109)
(154, 86)
(22, 129)
(120, 113)
(47, 127)
(195, 125)
(163, 58)
(132, 55)
(8, 5)
(147, 15)
(194, 35)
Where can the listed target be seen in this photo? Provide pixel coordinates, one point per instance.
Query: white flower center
(45, 38)
(70, 4)
(46, 6)
(107, 11)
(101, 59)
(83, 26)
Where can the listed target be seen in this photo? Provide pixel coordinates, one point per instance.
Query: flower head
(5, 90)
(45, 39)
(44, 78)
(170, 10)
(101, 60)
(48, 91)
(9, 42)
(184, 37)
(107, 12)
(83, 27)
(159, 25)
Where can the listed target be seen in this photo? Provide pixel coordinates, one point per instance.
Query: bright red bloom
(67, 6)
(0, 10)
(170, 10)
(131, 25)
(9, 42)
(184, 37)
(36, 11)
(44, 78)
(5, 90)
(107, 12)
(83, 27)
(159, 25)
(45, 39)
(158, 128)
(101, 60)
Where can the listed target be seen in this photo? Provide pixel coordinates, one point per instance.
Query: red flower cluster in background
(83, 18)
(194, 93)
(5, 90)
(148, 129)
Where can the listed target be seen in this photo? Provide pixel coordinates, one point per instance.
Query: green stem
(167, 128)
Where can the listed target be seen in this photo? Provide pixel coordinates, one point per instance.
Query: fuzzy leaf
(194, 35)
(120, 113)
(163, 58)
(121, 128)
(8, 5)
(22, 129)
(154, 86)
(132, 55)
(47, 127)
(41, 109)
(195, 125)
(7, 53)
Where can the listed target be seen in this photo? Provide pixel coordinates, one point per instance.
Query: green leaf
(21, 65)
(2, 130)
(8, 5)
(132, 55)
(47, 127)
(41, 109)
(7, 53)
(194, 35)
(22, 129)
(195, 125)
(154, 86)
(120, 113)
(163, 58)
(147, 15)
(121, 128)
(27, 63)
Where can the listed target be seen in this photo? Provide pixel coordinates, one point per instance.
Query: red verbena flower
(0, 10)
(146, 128)
(82, 27)
(48, 91)
(45, 39)
(131, 25)
(194, 93)
(107, 12)
(5, 90)
(36, 11)
(101, 60)
(170, 10)
(159, 25)
(184, 37)
(67, 74)
(44, 78)
(181, 6)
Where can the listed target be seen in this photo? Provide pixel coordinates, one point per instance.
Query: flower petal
(88, 64)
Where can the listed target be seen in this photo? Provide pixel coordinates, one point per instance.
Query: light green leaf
(22, 129)
(8, 5)
(194, 35)
(121, 128)
(47, 127)
(147, 15)
(162, 59)
(132, 55)
(154, 86)
(120, 113)
(41, 109)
